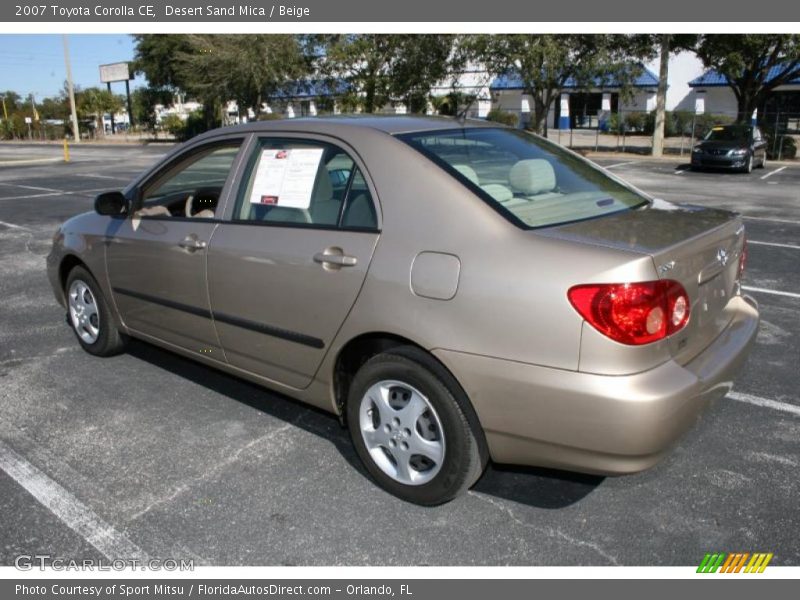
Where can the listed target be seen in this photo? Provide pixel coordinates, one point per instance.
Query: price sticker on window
(286, 177)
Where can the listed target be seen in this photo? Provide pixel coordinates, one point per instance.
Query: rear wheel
(89, 315)
(413, 428)
(763, 162)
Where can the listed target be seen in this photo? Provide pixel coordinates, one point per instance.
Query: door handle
(338, 260)
(192, 243)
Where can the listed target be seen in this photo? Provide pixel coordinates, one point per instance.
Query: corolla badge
(722, 256)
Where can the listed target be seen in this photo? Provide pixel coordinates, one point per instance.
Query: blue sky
(35, 63)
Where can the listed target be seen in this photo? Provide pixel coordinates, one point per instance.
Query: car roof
(344, 124)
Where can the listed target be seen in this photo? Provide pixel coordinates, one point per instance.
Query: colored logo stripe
(734, 562)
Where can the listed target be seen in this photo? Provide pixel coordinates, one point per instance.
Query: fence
(632, 131)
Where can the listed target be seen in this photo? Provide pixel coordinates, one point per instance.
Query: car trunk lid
(698, 247)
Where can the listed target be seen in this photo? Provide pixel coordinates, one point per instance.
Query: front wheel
(413, 428)
(90, 317)
(748, 166)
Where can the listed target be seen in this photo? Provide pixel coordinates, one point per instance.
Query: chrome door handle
(339, 260)
(192, 243)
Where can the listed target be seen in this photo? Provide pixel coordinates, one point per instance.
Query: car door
(156, 255)
(286, 266)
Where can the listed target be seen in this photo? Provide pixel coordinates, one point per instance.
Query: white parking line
(747, 288)
(30, 187)
(71, 511)
(775, 244)
(94, 176)
(771, 173)
(30, 196)
(679, 171)
(630, 162)
(12, 226)
(765, 402)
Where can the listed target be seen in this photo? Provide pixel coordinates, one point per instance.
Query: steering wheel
(187, 210)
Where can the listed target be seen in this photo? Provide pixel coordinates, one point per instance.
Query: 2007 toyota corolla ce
(454, 291)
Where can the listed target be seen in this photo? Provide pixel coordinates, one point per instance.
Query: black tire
(465, 454)
(763, 162)
(748, 166)
(110, 340)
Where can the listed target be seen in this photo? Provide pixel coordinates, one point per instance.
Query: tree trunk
(661, 97)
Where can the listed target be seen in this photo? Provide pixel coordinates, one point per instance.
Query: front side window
(192, 187)
(531, 181)
(305, 183)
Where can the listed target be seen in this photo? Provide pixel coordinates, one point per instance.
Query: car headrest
(532, 176)
(468, 172)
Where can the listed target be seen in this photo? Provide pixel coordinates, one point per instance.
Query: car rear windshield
(531, 181)
(729, 134)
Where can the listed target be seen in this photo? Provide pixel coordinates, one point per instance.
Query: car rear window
(533, 182)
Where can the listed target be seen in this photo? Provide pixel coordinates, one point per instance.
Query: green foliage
(504, 117)
(784, 146)
(379, 69)
(174, 125)
(143, 104)
(215, 68)
(747, 59)
(545, 63)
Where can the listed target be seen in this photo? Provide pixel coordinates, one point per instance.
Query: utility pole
(661, 97)
(76, 131)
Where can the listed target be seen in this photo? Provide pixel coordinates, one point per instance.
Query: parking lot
(150, 454)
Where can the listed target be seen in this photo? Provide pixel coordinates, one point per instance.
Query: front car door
(287, 264)
(156, 256)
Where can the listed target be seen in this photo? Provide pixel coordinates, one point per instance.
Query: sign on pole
(114, 72)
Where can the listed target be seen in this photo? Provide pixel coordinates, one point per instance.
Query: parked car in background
(736, 147)
(453, 291)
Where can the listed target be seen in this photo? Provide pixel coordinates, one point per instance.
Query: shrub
(173, 125)
(784, 146)
(501, 116)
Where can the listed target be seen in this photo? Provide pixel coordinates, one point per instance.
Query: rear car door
(156, 255)
(286, 266)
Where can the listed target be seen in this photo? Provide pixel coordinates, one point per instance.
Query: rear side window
(532, 182)
(293, 182)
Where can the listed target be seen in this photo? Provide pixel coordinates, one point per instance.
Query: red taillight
(633, 313)
(743, 257)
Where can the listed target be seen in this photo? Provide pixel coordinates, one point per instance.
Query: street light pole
(71, 90)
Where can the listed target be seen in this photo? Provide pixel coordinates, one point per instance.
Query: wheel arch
(361, 348)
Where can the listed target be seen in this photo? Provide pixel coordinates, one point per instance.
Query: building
(578, 107)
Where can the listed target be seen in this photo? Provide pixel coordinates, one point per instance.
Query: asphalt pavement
(171, 459)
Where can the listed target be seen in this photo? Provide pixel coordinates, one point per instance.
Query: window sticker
(286, 177)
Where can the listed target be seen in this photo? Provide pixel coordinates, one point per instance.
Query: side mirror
(112, 204)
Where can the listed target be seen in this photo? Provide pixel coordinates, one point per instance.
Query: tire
(748, 166)
(89, 316)
(442, 424)
(763, 162)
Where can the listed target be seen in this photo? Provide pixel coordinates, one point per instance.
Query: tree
(144, 101)
(666, 44)
(753, 64)
(379, 69)
(546, 63)
(97, 102)
(216, 68)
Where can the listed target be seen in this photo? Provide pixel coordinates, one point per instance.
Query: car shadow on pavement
(542, 488)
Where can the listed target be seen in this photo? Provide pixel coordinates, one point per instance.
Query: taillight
(743, 257)
(633, 313)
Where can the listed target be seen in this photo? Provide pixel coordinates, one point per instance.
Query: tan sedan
(455, 292)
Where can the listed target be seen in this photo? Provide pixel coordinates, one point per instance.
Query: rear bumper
(535, 415)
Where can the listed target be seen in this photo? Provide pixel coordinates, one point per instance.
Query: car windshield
(531, 181)
(729, 134)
